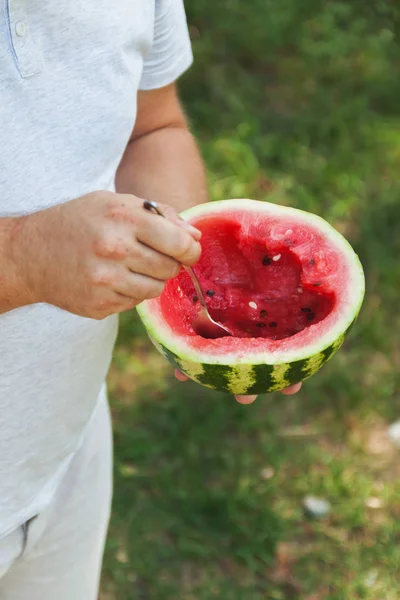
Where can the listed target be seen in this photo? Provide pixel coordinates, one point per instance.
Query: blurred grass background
(296, 103)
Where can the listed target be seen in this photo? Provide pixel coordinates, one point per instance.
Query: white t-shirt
(69, 77)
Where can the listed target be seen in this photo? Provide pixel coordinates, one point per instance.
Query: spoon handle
(196, 284)
(153, 206)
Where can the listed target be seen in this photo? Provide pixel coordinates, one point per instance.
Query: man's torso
(69, 75)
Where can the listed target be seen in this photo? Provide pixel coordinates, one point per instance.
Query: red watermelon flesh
(271, 279)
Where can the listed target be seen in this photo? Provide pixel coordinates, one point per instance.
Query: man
(90, 124)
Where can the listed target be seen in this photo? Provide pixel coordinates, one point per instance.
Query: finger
(126, 303)
(135, 285)
(180, 376)
(167, 238)
(245, 399)
(293, 389)
(146, 261)
(109, 304)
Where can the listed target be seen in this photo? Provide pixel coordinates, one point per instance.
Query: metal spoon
(203, 324)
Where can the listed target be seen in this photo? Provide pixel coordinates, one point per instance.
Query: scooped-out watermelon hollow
(284, 281)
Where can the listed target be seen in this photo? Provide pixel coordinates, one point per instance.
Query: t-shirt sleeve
(171, 52)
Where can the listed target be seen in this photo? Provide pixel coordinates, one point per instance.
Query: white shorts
(58, 554)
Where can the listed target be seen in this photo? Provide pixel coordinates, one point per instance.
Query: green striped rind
(250, 379)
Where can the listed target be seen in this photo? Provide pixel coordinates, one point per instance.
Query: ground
(296, 103)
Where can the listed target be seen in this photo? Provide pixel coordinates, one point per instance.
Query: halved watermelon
(284, 281)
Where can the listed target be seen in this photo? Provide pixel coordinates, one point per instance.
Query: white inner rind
(327, 331)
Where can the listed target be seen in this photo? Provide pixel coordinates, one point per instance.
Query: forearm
(13, 292)
(164, 166)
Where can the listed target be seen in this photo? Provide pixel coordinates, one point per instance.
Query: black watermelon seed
(263, 313)
(266, 261)
(210, 292)
(317, 284)
(195, 298)
(261, 325)
(312, 261)
(310, 316)
(306, 309)
(273, 324)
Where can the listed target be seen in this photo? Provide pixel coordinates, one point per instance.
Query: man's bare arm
(13, 290)
(162, 161)
(167, 168)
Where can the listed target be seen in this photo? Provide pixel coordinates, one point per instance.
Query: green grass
(296, 103)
